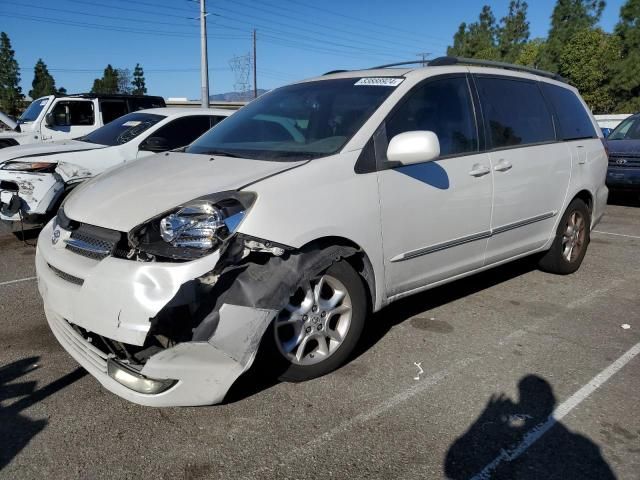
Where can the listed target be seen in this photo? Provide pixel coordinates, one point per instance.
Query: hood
(126, 196)
(43, 150)
(6, 119)
(619, 147)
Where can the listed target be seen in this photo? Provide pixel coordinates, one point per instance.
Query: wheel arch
(586, 196)
(360, 262)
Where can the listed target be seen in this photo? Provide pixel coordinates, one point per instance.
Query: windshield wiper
(222, 153)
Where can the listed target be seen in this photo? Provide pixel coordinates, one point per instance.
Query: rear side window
(515, 112)
(573, 119)
(183, 131)
(112, 109)
(443, 107)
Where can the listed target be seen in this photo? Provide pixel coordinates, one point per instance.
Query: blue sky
(296, 38)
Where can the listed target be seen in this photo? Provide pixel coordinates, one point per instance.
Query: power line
(111, 27)
(386, 42)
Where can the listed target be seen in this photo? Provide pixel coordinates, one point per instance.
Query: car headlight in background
(195, 228)
(40, 167)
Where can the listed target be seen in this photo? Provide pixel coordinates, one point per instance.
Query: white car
(315, 204)
(54, 117)
(34, 179)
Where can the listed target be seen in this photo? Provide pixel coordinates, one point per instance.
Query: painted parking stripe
(508, 455)
(11, 282)
(616, 234)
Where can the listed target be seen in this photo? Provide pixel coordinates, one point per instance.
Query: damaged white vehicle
(281, 228)
(35, 178)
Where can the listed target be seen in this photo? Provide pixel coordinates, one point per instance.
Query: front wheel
(572, 238)
(321, 324)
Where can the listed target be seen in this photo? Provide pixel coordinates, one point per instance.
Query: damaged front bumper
(27, 199)
(112, 302)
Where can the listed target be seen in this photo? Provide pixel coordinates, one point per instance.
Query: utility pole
(424, 56)
(255, 73)
(204, 62)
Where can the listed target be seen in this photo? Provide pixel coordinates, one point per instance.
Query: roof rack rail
(334, 71)
(446, 61)
(399, 64)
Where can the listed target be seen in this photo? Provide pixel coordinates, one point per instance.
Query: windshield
(297, 122)
(33, 110)
(629, 129)
(123, 129)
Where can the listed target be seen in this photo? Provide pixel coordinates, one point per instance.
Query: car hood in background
(44, 150)
(128, 195)
(8, 121)
(619, 147)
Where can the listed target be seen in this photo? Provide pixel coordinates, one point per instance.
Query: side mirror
(414, 147)
(155, 144)
(606, 131)
(50, 120)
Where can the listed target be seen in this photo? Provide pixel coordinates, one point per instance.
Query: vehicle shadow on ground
(494, 447)
(624, 199)
(379, 324)
(17, 429)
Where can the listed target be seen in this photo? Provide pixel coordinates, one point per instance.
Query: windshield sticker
(380, 81)
(131, 123)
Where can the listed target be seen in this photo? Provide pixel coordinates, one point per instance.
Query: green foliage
(530, 53)
(625, 80)
(10, 92)
(477, 40)
(43, 83)
(108, 83)
(139, 83)
(568, 18)
(513, 33)
(586, 61)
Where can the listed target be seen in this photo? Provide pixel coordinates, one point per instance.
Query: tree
(568, 18)
(108, 83)
(43, 83)
(10, 92)
(139, 83)
(586, 61)
(625, 78)
(124, 81)
(530, 53)
(477, 40)
(513, 32)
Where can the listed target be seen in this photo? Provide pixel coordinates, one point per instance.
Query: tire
(563, 258)
(308, 316)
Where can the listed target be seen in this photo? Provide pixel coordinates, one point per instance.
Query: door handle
(582, 156)
(479, 170)
(503, 165)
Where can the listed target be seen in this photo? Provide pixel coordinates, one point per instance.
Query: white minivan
(280, 230)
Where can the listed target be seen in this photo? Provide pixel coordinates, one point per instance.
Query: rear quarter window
(574, 121)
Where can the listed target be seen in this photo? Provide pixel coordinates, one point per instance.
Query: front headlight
(195, 228)
(40, 167)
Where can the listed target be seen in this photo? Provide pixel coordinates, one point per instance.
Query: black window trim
(485, 127)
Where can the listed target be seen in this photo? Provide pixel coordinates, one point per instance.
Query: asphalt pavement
(510, 374)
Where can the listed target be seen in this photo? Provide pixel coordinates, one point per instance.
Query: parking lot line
(10, 282)
(616, 234)
(510, 454)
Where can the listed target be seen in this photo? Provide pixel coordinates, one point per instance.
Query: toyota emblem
(621, 161)
(56, 236)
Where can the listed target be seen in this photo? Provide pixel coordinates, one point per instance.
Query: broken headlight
(40, 167)
(194, 229)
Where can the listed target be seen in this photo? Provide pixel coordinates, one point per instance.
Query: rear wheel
(572, 238)
(321, 324)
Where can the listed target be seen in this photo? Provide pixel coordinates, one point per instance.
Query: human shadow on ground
(494, 447)
(264, 374)
(16, 428)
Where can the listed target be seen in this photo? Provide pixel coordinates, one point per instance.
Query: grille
(66, 276)
(93, 242)
(74, 342)
(624, 161)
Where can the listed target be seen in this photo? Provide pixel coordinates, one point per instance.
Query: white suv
(284, 226)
